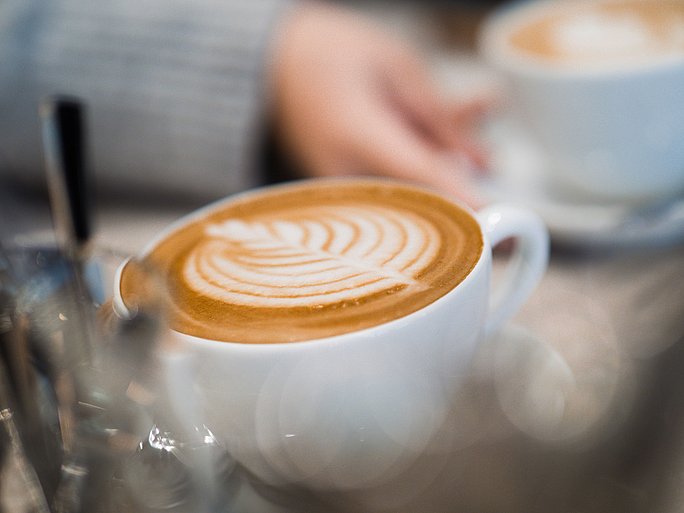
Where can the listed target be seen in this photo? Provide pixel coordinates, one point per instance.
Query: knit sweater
(175, 89)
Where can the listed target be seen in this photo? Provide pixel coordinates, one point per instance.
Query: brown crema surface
(227, 267)
(662, 20)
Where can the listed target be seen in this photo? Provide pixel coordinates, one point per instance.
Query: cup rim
(483, 260)
(238, 196)
(493, 47)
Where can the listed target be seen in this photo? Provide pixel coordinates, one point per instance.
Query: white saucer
(518, 175)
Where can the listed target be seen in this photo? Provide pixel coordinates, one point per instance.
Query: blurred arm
(176, 88)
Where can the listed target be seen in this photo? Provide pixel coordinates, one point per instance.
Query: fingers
(417, 99)
(412, 93)
(466, 114)
(446, 127)
(466, 117)
(389, 146)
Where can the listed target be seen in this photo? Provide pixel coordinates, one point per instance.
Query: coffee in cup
(313, 261)
(329, 322)
(608, 34)
(597, 84)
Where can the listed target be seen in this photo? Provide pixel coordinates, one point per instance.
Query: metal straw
(68, 180)
(64, 142)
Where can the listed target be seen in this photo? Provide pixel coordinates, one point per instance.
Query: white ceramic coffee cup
(351, 410)
(609, 132)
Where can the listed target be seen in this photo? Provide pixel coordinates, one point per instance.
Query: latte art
(323, 256)
(313, 260)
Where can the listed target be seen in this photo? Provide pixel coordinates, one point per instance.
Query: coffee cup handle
(527, 263)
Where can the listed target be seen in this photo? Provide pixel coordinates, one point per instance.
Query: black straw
(65, 145)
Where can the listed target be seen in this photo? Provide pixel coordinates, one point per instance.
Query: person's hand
(351, 100)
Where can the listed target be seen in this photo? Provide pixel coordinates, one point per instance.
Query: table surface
(574, 407)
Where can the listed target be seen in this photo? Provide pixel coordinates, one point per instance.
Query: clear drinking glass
(88, 402)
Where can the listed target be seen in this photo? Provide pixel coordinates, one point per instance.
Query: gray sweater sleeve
(175, 89)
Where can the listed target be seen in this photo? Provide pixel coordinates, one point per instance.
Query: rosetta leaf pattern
(314, 258)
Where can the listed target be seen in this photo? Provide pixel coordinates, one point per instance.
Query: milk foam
(321, 256)
(595, 34)
(599, 36)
